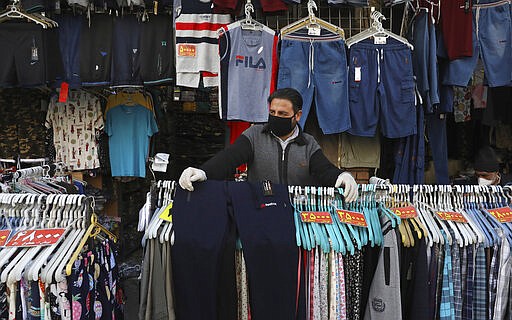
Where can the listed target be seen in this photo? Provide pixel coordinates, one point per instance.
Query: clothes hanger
(249, 23)
(376, 30)
(13, 11)
(312, 22)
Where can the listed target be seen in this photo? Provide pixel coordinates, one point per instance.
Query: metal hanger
(376, 30)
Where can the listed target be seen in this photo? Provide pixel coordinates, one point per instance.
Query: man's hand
(349, 185)
(190, 175)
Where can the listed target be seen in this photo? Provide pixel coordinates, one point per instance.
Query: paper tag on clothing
(166, 214)
(64, 91)
(379, 40)
(503, 215)
(405, 212)
(352, 217)
(451, 216)
(34, 54)
(4, 235)
(36, 237)
(186, 50)
(314, 31)
(316, 216)
(357, 74)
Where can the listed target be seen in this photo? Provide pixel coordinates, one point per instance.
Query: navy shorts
(317, 69)
(381, 89)
(156, 50)
(70, 27)
(492, 41)
(96, 50)
(126, 51)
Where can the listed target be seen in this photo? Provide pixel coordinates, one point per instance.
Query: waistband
(312, 39)
(492, 4)
(391, 44)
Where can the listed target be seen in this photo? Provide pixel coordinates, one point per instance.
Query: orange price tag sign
(186, 50)
(503, 215)
(4, 235)
(36, 237)
(316, 216)
(451, 216)
(405, 212)
(352, 217)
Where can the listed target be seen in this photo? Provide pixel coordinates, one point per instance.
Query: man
(487, 167)
(278, 151)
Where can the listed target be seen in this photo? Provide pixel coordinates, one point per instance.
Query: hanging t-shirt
(129, 129)
(74, 124)
(196, 43)
(248, 68)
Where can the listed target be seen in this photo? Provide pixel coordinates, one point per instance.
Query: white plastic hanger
(376, 30)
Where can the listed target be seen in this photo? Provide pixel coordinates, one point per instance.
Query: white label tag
(379, 40)
(314, 31)
(357, 74)
(34, 55)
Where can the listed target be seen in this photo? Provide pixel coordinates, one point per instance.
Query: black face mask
(280, 126)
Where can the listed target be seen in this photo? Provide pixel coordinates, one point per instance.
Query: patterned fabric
(74, 126)
(242, 285)
(333, 286)
(342, 306)
(493, 280)
(457, 280)
(324, 298)
(480, 286)
(463, 273)
(4, 311)
(11, 292)
(316, 287)
(467, 311)
(354, 284)
(503, 287)
(462, 104)
(447, 309)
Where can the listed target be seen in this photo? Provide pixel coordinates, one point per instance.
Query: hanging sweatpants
(206, 222)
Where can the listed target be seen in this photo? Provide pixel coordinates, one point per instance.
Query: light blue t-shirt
(129, 129)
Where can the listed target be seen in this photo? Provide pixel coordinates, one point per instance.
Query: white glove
(346, 181)
(190, 175)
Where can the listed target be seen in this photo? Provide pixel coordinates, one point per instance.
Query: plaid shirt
(480, 285)
(457, 280)
(504, 274)
(447, 308)
(493, 279)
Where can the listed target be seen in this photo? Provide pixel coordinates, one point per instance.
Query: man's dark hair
(486, 160)
(289, 94)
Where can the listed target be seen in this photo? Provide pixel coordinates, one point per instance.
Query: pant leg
(436, 130)
(267, 232)
(201, 225)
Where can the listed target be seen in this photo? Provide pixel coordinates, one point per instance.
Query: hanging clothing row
(398, 252)
(56, 261)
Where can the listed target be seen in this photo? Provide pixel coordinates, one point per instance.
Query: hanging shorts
(96, 50)
(381, 89)
(126, 51)
(492, 40)
(70, 27)
(317, 69)
(23, 55)
(156, 59)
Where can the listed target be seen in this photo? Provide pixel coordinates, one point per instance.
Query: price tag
(167, 214)
(186, 50)
(36, 237)
(353, 218)
(314, 31)
(4, 235)
(357, 74)
(503, 215)
(316, 216)
(405, 212)
(451, 216)
(379, 40)
(64, 90)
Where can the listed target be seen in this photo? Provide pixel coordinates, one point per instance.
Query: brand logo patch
(248, 62)
(378, 305)
(270, 204)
